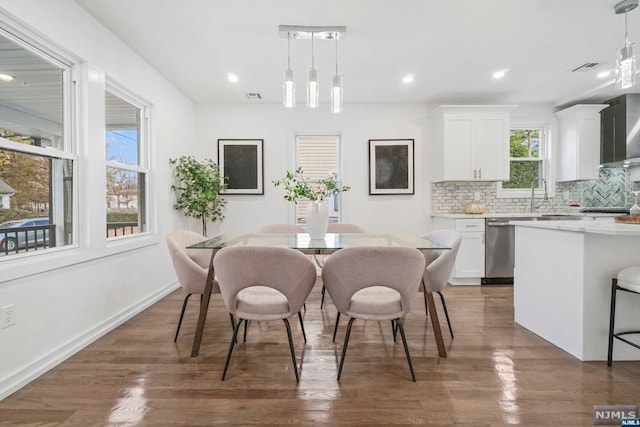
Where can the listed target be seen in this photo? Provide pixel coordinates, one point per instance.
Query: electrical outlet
(8, 316)
(476, 195)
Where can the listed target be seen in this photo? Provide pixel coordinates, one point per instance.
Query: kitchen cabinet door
(471, 143)
(579, 142)
(492, 148)
(470, 259)
(458, 148)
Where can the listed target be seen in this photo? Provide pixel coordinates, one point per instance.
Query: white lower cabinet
(469, 266)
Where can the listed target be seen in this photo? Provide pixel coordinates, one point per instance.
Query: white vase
(317, 220)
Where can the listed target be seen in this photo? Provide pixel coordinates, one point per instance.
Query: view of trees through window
(526, 158)
(125, 179)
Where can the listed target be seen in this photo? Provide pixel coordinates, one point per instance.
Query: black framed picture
(391, 166)
(241, 162)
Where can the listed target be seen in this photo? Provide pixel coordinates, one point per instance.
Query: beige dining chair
(336, 227)
(263, 283)
(374, 283)
(191, 266)
(439, 266)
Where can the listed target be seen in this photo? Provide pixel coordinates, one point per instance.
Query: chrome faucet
(546, 195)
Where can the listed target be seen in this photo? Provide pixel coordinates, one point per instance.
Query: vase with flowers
(297, 187)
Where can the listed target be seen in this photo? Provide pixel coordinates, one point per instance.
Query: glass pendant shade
(336, 94)
(625, 68)
(289, 90)
(313, 90)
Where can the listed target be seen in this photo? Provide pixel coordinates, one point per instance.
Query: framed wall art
(241, 161)
(391, 166)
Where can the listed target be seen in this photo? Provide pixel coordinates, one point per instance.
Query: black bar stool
(628, 280)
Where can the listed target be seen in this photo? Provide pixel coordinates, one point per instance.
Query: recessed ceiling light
(5, 77)
(603, 74)
(232, 77)
(500, 73)
(408, 79)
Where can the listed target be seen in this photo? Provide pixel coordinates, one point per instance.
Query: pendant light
(626, 61)
(289, 87)
(313, 90)
(336, 88)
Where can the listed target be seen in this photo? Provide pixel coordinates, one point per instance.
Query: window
(319, 157)
(36, 160)
(125, 145)
(527, 153)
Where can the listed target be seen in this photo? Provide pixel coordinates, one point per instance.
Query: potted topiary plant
(198, 185)
(296, 187)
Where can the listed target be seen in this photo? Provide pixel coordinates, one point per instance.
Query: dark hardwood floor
(497, 373)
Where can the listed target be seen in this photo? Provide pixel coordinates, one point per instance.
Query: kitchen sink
(561, 217)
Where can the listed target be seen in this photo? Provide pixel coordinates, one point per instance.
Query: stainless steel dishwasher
(499, 251)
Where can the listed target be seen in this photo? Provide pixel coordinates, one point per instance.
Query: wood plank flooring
(497, 373)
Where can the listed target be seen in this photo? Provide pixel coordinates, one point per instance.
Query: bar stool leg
(612, 318)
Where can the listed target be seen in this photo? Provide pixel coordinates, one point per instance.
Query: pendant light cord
(288, 50)
(336, 56)
(312, 62)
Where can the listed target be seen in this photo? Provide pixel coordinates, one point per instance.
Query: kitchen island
(562, 283)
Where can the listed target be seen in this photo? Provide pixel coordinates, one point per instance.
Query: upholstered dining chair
(263, 283)
(336, 227)
(191, 266)
(439, 266)
(374, 283)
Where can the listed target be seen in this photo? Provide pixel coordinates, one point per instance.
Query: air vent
(253, 95)
(587, 66)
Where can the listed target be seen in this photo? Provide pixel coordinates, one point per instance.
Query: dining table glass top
(332, 241)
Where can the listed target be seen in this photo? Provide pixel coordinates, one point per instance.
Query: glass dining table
(301, 242)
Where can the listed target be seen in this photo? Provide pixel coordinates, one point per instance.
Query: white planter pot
(317, 220)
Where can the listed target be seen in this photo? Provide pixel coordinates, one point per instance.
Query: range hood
(620, 131)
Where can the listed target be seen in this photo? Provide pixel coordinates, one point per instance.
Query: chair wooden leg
(446, 313)
(184, 306)
(233, 323)
(335, 329)
(394, 329)
(344, 347)
(304, 335)
(424, 294)
(406, 348)
(322, 300)
(612, 319)
(244, 336)
(233, 342)
(293, 352)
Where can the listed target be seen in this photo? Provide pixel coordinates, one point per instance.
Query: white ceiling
(452, 47)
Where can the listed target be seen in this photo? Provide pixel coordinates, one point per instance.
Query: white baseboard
(15, 382)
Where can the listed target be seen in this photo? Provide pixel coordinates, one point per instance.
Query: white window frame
(68, 149)
(144, 157)
(545, 156)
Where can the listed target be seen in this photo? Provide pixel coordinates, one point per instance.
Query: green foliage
(198, 185)
(296, 187)
(524, 143)
(115, 216)
(15, 213)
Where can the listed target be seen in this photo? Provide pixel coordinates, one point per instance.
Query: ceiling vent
(253, 95)
(587, 66)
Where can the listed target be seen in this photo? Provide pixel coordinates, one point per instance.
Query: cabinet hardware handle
(475, 174)
(480, 173)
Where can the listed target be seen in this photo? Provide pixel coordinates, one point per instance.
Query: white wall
(66, 299)
(356, 125)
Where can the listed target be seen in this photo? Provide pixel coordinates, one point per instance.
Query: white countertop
(519, 215)
(600, 226)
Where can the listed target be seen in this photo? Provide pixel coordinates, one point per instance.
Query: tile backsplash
(612, 189)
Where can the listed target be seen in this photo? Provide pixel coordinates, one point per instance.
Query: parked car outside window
(13, 238)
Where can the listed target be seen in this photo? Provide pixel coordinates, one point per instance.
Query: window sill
(33, 263)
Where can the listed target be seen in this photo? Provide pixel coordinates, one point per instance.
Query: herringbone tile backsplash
(611, 189)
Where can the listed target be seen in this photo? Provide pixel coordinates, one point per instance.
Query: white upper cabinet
(579, 142)
(470, 143)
